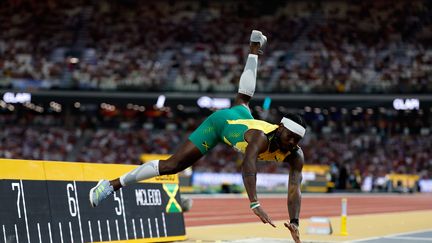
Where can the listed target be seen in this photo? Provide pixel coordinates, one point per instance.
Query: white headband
(293, 126)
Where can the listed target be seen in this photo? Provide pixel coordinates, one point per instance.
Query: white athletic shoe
(257, 36)
(101, 191)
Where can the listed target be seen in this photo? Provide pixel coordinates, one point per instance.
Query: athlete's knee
(168, 167)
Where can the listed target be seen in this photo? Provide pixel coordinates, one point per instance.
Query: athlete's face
(288, 140)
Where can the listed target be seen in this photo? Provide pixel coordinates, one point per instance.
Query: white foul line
(90, 231)
(70, 231)
(4, 233)
(142, 228)
(157, 227)
(117, 229)
(25, 211)
(391, 235)
(49, 231)
(16, 234)
(79, 213)
(164, 224)
(149, 224)
(409, 238)
(134, 228)
(61, 233)
(40, 238)
(109, 230)
(124, 214)
(100, 233)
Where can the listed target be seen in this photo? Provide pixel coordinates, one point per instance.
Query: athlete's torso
(233, 135)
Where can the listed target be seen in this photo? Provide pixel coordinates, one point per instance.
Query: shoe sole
(91, 194)
(263, 37)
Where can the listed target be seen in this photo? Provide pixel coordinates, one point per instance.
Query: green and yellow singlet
(229, 126)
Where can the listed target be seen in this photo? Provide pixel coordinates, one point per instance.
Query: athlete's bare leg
(248, 77)
(185, 156)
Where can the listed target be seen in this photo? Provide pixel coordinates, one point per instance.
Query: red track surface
(211, 211)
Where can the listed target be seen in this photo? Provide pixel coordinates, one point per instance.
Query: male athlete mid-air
(236, 127)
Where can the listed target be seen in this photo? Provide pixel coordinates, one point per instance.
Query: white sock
(248, 77)
(145, 171)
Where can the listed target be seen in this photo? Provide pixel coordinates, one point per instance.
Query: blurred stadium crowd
(335, 46)
(354, 142)
(315, 47)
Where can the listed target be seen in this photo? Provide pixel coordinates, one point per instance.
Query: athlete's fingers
(271, 223)
(263, 216)
(259, 214)
(263, 219)
(268, 220)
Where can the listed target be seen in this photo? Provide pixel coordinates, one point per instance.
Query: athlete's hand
(294, 232)
(263, 216)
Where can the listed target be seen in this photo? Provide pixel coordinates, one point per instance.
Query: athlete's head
(291, 129)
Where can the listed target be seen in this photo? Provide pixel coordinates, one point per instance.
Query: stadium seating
(335, 47)
(360, 142)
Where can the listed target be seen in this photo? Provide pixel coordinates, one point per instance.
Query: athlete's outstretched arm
(296, 162)
(257, 143)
